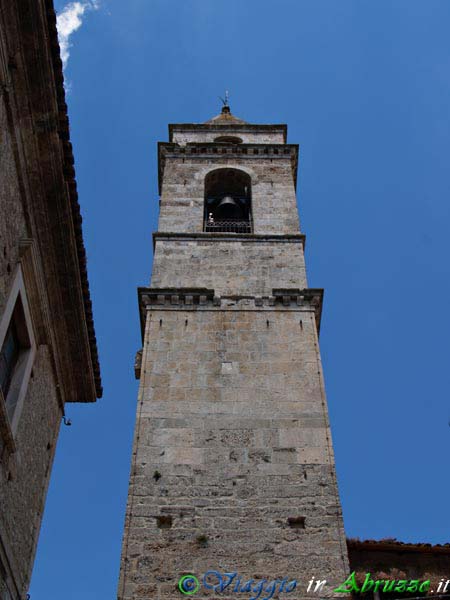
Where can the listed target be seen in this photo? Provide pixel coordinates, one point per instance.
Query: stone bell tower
(232, 466)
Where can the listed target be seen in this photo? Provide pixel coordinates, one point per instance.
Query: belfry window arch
(228, 139)
(228, 201)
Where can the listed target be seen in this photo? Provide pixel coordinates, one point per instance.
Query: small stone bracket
(138, 364)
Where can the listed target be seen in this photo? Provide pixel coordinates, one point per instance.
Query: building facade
(48, 353)
(407, 564)
(390, 559)
(232, 467)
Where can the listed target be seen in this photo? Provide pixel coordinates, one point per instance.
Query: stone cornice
(223, 126)
(298, 238)
(201, 150)
(204, 298)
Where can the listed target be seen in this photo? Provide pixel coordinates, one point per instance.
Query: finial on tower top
(225, 117)
(225, 102)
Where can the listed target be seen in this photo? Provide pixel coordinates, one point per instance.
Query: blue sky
(364, 88)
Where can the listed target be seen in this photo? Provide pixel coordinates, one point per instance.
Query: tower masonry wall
(274, 203)
(242, 267)
(233, 467)
(232, 443)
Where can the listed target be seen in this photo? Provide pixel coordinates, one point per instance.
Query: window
(15, 347)
(227, 201)
(228, 139)
(8, 357)
(17, 350)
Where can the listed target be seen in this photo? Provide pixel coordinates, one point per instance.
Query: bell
(228, 208)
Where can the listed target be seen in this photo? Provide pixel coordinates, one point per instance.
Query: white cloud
(68, 21)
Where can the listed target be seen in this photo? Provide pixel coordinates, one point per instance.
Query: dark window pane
(8, 357)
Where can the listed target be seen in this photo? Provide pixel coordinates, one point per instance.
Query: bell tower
(232, 467)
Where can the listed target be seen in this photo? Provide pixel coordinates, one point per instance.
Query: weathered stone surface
(229, 267)
(248, 136)
(274, 204)
(232, 437)
(24, 478)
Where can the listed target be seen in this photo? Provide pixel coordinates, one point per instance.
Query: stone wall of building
(23, 473)
(12, 224)
(390, 560)
(24, 478)
(45, 309)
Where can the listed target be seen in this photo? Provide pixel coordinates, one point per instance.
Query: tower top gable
(182, 133)
(224, 127)
(225, 117)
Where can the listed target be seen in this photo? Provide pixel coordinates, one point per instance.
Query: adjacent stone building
(390, 559)
(233, 466)
(48, 353)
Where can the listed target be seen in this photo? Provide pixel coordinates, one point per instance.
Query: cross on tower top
(225, 102)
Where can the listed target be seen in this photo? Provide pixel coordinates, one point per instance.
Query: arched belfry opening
(228, 195)
(228, 139)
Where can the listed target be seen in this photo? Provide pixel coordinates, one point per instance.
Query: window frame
(22, 369)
